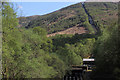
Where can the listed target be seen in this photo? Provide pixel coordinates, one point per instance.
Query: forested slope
(29, 53)
(105, 15)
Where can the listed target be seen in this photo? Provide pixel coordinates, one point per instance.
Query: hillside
(71, 16)
(59, 20)
(103, 13)
(73, 30)
(29, 52)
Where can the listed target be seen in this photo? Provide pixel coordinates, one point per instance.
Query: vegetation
(103, 13)
(29, 53)
(106, 46)
(59, 20)
(107, 55)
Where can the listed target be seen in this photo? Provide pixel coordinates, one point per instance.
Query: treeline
(106, 53)
(106, 50)
(28, 53)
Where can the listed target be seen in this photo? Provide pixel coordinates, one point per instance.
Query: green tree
(106, 53)
(26, 53)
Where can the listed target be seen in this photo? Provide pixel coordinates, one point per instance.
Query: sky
(39, 8)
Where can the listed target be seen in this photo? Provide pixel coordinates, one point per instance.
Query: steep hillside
(71, 16)
(59, 20)
(24, 21)
(103, 13)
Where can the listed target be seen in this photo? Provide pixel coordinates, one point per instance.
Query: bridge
(78, 72)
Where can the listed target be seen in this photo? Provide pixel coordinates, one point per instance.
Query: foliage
(62, 19)
(27, 53)
(106, 53)
(103, 12)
